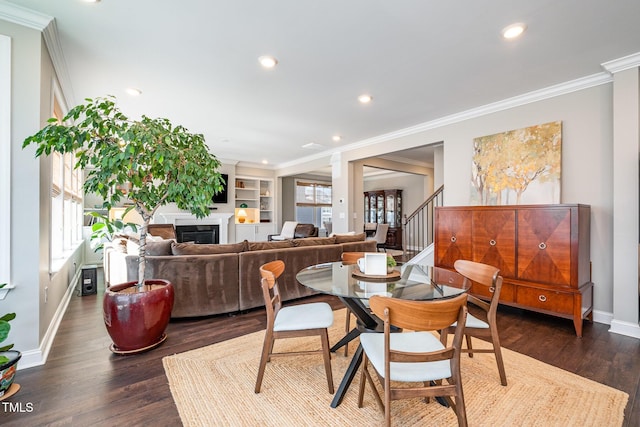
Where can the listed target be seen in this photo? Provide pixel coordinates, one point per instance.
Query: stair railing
(418, 227)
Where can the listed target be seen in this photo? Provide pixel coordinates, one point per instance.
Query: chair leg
(387, 402)
(326, 354)
(461, 410)
(266, 352)
(363, 379)
(468, 338)
(497, 350)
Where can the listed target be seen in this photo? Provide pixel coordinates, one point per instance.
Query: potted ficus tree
(152, 163)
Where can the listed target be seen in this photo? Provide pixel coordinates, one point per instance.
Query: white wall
(31, 86)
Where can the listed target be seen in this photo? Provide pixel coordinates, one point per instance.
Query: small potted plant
(151, 162)
(391, 264)
(8, 358)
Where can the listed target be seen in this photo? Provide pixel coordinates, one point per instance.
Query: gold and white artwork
(518, 167)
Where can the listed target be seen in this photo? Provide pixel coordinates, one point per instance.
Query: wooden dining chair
(349, 258)
(291, 322)
(486, 327)
(415, 356)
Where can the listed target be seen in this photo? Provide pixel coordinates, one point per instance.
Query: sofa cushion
(314, 241)
(260, 246)
(154, 248)
(206, 249)
(159, 247)
(345, 238)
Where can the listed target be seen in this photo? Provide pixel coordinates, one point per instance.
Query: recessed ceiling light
(133, 91)
(336, 138)
(264, 162)
(268, 61)
(91, 1)
(513, 30)
(365, 99)
(313, 146)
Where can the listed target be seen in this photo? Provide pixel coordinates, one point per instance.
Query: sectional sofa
(216, 279)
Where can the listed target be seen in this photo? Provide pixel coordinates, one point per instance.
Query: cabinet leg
(577, 323)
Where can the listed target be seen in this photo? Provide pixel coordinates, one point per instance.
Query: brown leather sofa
(216, 279)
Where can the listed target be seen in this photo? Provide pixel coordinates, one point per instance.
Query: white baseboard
(625, 328)
(38, 356)
(617, 326)
(603, 317)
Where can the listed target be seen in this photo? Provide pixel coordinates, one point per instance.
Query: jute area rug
(213, 386)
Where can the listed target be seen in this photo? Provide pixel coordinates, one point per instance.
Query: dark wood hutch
(385, 207)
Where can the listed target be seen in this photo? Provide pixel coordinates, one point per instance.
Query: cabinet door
(544, 245)
(380, 208)
(366, 208)
(245, 232)
(494, 239)
(390, 209)
(453, 236)
(263, 231)
(399, 208)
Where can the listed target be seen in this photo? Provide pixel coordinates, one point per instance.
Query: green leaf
(5, 327)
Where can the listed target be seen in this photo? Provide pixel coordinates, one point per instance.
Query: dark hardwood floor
(83, 384)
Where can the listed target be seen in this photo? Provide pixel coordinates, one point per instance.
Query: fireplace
(180, 219)
(198, 233)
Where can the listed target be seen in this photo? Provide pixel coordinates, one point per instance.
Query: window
(66, 200)
(313, 203)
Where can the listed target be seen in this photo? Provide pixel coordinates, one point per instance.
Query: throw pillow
(206, 249)
(260, 246)
(159, 247)
(314, 241)
(346, 238)
(119, 244)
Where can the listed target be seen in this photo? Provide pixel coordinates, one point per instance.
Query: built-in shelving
(254, 208)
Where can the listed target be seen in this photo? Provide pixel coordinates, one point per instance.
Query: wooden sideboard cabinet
(542, 251)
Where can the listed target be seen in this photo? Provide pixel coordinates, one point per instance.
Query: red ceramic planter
(136, 319)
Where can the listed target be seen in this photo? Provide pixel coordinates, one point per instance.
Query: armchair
(287, 232)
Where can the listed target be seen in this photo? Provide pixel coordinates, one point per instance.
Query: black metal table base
(349, 375)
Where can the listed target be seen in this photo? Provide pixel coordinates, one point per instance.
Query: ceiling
(196, 62)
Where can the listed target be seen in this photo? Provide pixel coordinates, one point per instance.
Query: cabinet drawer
(507, 294)
(557, 302)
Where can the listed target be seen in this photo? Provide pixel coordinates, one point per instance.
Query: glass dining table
(410, 282)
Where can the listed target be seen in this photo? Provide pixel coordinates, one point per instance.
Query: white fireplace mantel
(182, 218)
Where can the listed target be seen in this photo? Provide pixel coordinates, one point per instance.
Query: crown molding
(52, 40)
(23, 16)
(47, 26)
(621, 64)
(516, 101)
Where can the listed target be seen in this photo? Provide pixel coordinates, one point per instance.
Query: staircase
(418, 229)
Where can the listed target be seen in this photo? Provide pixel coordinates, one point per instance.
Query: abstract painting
(518, 166)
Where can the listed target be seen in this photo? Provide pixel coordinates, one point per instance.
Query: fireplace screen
(198, 233)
